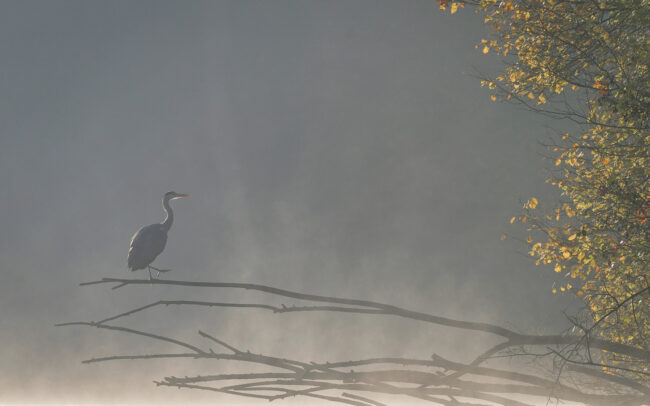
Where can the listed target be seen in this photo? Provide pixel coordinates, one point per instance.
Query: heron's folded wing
(146, 245)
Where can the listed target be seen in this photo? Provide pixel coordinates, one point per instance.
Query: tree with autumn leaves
(586, 61)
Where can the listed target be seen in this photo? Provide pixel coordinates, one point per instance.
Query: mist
(337, 148)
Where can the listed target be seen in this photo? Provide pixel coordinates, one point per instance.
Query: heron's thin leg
(159, 270)
(150, 276)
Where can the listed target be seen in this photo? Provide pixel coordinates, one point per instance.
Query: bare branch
(389, 375)
(515, 339)
(363, 399)
(231, 348)
(137, 332)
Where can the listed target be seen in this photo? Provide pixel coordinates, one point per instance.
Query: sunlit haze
(340, 148)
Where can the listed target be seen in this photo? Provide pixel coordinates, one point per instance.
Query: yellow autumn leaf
(572, 237)
(558, 162)
(503, 237)
(512, 220)
(532, 203)
(493, 98)
(486, 49)
(454, 7)
(566, 254)
(558, 268)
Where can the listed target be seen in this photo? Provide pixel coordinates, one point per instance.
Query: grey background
(332, 147)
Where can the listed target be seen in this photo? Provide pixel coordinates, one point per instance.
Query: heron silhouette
(149, 241)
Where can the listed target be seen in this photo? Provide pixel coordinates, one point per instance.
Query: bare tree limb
(441, 381)
(515, 339)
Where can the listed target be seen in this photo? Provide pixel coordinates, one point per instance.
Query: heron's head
(174, 195)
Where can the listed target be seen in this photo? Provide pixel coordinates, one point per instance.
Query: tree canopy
(587, 61)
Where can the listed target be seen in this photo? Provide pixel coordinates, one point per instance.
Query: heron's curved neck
(170, 214)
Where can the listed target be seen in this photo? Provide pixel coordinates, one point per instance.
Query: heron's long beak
(178, 196)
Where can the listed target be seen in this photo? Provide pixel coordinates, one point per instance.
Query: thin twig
(216, 340)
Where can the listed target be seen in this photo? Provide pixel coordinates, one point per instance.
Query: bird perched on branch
(149, 241)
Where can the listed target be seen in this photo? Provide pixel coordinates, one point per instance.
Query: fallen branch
(367, 306)
(442, 381)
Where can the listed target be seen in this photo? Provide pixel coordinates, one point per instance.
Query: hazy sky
(332, 147)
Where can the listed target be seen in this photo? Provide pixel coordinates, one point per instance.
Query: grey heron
(149, 241)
